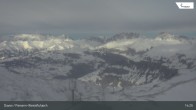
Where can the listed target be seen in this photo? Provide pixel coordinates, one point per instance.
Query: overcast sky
(62, 16)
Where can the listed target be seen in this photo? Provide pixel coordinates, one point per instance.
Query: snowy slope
(123, 67)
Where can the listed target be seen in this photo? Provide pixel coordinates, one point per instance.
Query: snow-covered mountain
(126, 66)
(31, 42)
(143, 43)
(28, 44)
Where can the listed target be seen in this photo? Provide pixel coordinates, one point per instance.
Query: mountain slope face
(126, 66)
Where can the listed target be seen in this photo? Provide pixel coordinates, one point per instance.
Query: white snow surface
(39, 84)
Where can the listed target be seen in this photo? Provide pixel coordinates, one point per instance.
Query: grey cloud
(93, 15)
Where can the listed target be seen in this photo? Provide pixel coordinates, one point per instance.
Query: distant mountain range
(126, 66)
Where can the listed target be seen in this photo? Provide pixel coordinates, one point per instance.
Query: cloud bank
(61, 16)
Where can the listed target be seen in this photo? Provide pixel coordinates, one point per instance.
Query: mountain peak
(165, 36)
(124, 35)
(25, 37)
(34, 42)
(170, 37)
